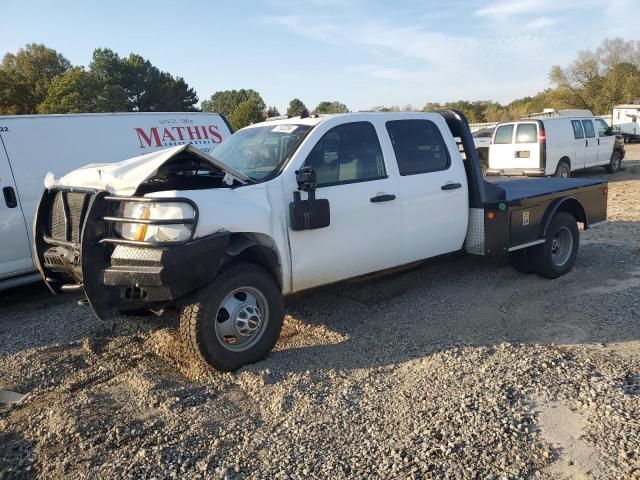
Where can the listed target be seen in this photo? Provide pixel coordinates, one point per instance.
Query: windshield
(258, 152)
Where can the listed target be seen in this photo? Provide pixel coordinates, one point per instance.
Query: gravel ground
(460, 368)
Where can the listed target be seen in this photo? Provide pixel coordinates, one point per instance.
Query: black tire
(548, 259)
(563, 170)
(615, 163)
(520, 261)
(200, 317)
(484, 168)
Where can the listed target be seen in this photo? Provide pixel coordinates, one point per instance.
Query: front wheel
(615, 163)
(557, 255)
(234, 321)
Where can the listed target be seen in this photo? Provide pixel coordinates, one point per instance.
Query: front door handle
(384, 197)
(10, 197)
(586, 143)
(451, 186)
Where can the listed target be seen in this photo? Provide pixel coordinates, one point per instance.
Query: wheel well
(255, 248)
(565, 160)
(575, 208)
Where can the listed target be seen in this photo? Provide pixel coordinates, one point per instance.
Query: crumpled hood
(123, 178)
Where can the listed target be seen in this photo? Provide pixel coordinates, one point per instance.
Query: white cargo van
(32, 145)
(625, 120)
(553, 145)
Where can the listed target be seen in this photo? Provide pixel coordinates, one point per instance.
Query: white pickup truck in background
(32, 145)
(288, 205)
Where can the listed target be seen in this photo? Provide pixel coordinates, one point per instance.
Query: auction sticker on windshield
(285, 128)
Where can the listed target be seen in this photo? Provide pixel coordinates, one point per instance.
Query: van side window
(589, 131)
(578, 133)
(504, 134)
(527, 133)
(347, 153)
(419, 146)
(603, 128)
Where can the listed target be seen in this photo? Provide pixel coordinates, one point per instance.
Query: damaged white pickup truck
(289, 205)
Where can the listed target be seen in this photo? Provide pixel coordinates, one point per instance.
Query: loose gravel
(460, 368)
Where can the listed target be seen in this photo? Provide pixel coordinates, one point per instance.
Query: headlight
(163, 211)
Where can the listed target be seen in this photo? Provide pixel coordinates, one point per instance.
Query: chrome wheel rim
(241, 319)
(564, 173)
(561, 247)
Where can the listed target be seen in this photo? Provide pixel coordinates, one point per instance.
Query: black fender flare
(256, 248)
(565, 204)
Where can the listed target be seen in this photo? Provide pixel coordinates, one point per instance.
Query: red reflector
(605, 190)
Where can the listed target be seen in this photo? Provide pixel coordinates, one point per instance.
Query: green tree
(226, 101)
(75, 91)
(297, 108)
(382, 108)
(146, 88)
(272, 112)
(331, 107)
(25, 77)
(597, 80)
(246, 113)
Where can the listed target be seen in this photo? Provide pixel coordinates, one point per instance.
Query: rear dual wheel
(556, 255)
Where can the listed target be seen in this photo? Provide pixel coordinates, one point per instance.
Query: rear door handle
(451, 186)
(385, 197)
(10, 197)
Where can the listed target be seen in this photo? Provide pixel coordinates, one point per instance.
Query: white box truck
(32, 145)
(625, 120)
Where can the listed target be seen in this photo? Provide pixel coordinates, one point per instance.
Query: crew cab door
(432, 186)
(365, 229)
(606, 141)
(15, 250)
(591, 143)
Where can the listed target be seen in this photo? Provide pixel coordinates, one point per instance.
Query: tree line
(37, 79)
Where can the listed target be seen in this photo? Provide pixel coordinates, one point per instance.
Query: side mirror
(306, 178)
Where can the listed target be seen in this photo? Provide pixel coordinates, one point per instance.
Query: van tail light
(541, 136)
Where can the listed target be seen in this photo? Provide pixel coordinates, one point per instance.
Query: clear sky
(360, 52)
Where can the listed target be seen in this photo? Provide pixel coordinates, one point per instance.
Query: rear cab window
(504, 134)
(418, 146)
(527, 133)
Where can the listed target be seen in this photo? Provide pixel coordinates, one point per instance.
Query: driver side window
(347, 153)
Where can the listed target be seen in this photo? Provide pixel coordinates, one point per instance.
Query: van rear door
(15, 251)
(515, 147)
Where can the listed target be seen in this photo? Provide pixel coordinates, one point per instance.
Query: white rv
(554, 143)
(32, 145)
(626, 121)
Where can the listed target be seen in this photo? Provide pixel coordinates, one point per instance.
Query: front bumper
(514, 172)
(80, 252)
